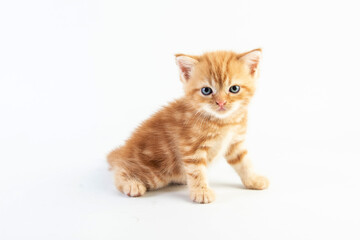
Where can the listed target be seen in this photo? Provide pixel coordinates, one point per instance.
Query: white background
(78, 76)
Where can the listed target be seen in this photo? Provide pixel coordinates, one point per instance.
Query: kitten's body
(177, 143)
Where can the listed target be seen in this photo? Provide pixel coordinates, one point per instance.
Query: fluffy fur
(177, 143)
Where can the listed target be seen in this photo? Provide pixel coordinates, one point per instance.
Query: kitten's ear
(252, 60)
(186, 65)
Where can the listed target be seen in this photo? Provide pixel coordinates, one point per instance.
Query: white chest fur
(222, 145)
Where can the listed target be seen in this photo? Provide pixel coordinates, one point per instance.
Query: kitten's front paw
(202, 195)
(256, 182)
(132, 189)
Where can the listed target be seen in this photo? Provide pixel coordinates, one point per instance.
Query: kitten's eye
(206, 91)
(234, 89)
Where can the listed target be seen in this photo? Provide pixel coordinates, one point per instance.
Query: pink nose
(221, 103)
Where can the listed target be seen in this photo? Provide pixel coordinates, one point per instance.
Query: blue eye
(234, 89)
(206, 91)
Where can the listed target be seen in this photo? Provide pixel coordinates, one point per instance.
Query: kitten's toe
(256, 182)
(203, 195)
(133, 189)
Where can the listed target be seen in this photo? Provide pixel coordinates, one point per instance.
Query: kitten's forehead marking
(219, 68)
(223, 85)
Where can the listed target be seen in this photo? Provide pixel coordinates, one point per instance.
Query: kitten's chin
(221, 113)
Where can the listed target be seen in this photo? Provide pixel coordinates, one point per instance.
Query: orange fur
(178, 142)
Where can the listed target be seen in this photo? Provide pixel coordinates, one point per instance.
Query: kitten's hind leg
(127, 185)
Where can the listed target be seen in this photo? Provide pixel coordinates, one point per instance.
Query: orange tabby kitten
(177, 143)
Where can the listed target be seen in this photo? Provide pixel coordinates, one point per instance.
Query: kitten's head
(219, 83)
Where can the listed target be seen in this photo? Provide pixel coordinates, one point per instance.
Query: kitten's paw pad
(133, 189)
(203, 195)
(257, 182)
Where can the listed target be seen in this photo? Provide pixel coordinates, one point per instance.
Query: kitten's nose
(221, 103)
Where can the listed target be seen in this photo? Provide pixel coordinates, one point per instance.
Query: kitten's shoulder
(178, 105)
(173, 109)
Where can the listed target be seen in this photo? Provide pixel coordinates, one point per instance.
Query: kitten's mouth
(219, 111)
(222, 109)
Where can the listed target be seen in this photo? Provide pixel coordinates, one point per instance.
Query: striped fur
(177, 143)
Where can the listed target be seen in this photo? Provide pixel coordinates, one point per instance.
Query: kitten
(177, 143)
